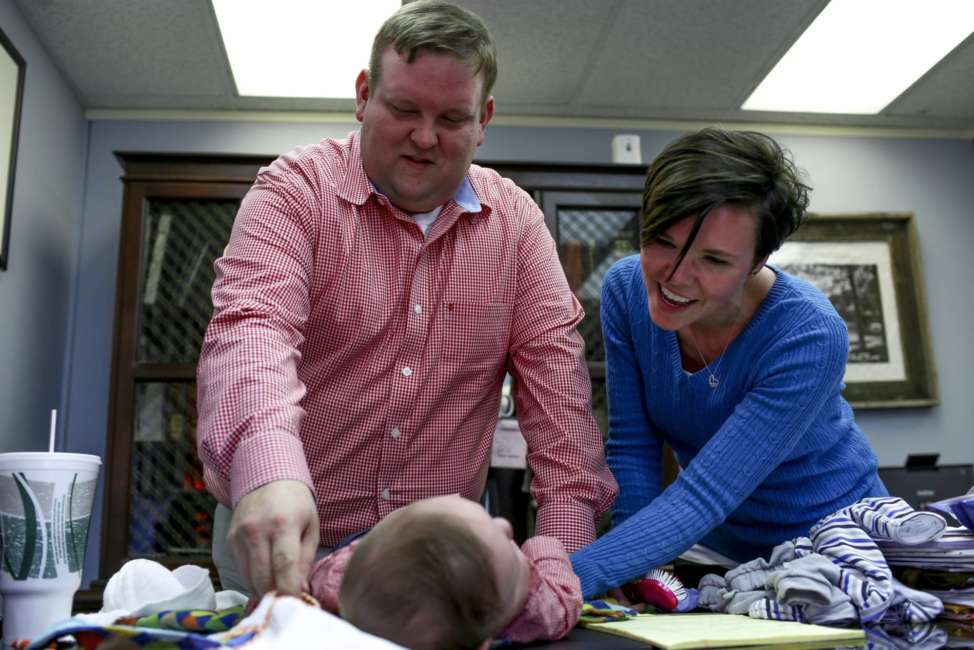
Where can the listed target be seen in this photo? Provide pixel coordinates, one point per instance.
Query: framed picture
(869, 267)
(12, 68)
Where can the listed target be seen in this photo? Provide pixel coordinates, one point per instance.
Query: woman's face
(707, 288)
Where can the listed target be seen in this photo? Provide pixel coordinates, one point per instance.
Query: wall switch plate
(626, 149)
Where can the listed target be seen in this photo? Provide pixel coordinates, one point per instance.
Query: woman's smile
(675, 300)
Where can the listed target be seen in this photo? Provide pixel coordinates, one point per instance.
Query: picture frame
(12, 72)
(868, 265)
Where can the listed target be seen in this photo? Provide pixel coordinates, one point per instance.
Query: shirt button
(395, 433)
(407, 371)
(385, 494)
(418, 309)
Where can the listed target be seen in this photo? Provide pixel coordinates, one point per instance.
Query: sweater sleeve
(633, 450)
(555, 596)
(798, 373)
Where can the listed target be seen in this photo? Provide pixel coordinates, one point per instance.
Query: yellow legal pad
(687, 631)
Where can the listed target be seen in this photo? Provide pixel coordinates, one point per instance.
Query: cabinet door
(593, 230)
(181, 238)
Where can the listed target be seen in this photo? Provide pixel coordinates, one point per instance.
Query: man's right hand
(273, 537)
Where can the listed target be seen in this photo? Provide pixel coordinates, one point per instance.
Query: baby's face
(511, 567)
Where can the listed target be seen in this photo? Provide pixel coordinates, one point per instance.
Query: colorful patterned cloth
(168, 630)
(278, 622)
(604, 610)
(197, 620)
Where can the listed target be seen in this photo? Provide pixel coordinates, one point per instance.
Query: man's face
(420, 127)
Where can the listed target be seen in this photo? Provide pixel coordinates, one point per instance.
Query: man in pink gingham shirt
(373, 294)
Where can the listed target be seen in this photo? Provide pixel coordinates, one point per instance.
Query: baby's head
(438, 573)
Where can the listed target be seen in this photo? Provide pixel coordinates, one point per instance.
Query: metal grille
(182, 240)
(591, 240)
(170, 511)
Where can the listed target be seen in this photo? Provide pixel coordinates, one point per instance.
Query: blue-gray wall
(37, 289)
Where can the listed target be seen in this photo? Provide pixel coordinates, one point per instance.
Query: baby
(442, 573)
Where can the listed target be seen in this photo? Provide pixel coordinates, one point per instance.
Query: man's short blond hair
(441, 27)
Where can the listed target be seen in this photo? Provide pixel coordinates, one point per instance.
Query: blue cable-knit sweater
(764, 455)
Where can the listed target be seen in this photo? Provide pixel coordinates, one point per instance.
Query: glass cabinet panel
(590, 241)
(181, 241)
(594, 231)
(170, 509)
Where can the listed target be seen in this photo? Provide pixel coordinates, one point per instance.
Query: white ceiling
(658, 60)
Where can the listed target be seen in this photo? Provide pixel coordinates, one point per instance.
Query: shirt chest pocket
(474, 337)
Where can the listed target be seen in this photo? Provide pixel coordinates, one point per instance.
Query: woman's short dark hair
(426, 582)
(713, 167)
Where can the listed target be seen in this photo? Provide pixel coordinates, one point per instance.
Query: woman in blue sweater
(734, 363)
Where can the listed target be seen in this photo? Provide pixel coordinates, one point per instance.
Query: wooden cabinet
(176, 218)
(177, 214)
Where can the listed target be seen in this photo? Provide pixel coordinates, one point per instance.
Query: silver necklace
(713, 381)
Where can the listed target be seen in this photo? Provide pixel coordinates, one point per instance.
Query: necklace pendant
(713, 381)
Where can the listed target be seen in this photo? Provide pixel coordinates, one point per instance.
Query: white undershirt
(425, 219)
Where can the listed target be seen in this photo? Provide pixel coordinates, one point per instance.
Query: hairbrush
(663, 590)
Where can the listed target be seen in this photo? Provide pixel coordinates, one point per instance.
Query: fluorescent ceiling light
(859, 55)
(299, 48)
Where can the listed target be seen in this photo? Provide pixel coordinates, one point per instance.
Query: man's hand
(273, 537)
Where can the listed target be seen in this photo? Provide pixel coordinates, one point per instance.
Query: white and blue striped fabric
(836, 576)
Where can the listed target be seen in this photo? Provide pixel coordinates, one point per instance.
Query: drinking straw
(50, 443)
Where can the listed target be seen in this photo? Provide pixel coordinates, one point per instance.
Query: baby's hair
(423, 581)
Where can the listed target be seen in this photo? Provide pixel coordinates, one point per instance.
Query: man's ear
(361, 94)
(486, 112)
